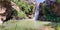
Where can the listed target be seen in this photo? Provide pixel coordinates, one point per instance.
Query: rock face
(55, 6)
(30, 1)
(5, 10)
(49, 10)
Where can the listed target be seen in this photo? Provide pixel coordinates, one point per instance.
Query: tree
(51, 10)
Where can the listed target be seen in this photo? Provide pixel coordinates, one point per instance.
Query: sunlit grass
(23, 25)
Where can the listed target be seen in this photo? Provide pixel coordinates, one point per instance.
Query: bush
(58, 1)
(25, 7)
(18, 14)
(21, 15)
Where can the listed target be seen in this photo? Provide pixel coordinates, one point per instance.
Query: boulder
(5, 10)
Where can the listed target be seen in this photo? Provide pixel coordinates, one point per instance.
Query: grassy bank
(24, 25)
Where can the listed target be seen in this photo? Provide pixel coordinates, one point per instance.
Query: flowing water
(37, 12)
(36, 17)
(37, 9)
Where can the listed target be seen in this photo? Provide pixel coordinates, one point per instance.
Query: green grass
(22, 25)
(58, 26)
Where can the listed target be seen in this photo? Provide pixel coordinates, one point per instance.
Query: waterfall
(36, 12)
(37, 9)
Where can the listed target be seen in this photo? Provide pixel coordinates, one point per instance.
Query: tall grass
(22, 25)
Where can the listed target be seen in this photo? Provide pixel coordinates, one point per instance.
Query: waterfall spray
(36, 12)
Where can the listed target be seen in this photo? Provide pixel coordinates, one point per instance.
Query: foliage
(49, 14)
(24, 6)
(58, 26)
(18, 14)
(58, 1)
(21, 15)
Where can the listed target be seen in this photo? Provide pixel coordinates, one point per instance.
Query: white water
(37, 9)
(36, 14)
